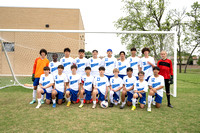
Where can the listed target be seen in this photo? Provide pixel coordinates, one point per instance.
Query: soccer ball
(104, 104)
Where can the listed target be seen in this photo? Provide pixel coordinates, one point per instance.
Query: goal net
(19, 49)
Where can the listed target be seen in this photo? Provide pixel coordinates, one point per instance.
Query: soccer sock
(68, 99)
(39, 100)
(168, 99)
(54, 101)
(133, 101)
(42, 96)
(111, 96)
(94, 102)
(149, 101)
(34, 94)
(116, 104)
(81, 100)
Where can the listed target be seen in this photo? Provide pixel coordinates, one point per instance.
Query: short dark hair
(156, 68)
(67, 50)
(61, 67)
(141, 72)
(46, 68)
(133, 49)
(81, 50)
(145, 49)
(102, 68)
(88, 68)
(122, 52)
(54, 54)
(95, 51)
(73, 66)
(129, 69)
(43, 51)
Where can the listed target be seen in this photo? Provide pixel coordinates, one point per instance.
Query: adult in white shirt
(94, 62)
(67, 61)
(109, 63)
(134, 62)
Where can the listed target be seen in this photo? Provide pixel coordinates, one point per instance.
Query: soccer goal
(20, 47)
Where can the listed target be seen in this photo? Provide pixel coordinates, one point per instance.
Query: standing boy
(54, 64)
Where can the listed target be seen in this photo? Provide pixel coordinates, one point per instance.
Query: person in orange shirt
(38, 66)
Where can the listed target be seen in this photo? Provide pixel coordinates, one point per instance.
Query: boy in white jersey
(116, 84)
(81, 62)
(134, 62)
(59, 86)
(45, 86)
(74, 87)
(109, 63)
(86, 87)
(128, 85)
(156, 85)
(101, 84)
(54, 64)
(67, 61)
(122, 64)
(147, 63)
(94, 62)
(140, 89)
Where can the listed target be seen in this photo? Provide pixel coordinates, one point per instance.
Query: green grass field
(16, 115)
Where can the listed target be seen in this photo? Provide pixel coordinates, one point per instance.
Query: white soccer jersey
(94, 64)
(74, 81)
(129, 82)
(54, 67)
(147, 68)
(141, 86)
(122, 66)
(116, 83)
(81, 64)
(109, 64)
(87, 82)
(157, 82)
(46, 81)
(101, 83)
(60, 80)
(67, 63)
(134, 63)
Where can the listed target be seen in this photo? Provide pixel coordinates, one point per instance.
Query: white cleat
(149, 109)
(38, 106)
(154, 102)
(94, 106)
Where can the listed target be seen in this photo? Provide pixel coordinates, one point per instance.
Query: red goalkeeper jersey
(166, 69)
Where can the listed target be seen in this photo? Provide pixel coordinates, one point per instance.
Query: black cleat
(111, 105)
(169, 105)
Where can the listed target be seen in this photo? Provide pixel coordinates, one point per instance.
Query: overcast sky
(98, 15)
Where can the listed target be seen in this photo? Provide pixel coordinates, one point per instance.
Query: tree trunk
(190, 57)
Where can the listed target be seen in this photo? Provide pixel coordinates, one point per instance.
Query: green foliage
(198, 62)
(88, 54)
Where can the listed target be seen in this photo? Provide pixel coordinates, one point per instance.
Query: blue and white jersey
(116, 83)
(134, 63)
(122, 66)
(147, 68)
(94, 64)
(54, 67)
(46, 81)
(129, 82)
(157, 82)
(60, 80)
(101, 83)
(67, 63)
(141, 86)
(81, 64)
(109, 64)
(74, 81)
(87, 82)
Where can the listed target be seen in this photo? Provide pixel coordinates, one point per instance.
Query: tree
(193, 32)
(144, 16)
(88, 54)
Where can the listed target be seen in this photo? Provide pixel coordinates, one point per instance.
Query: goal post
(51, 36)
